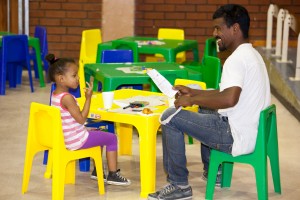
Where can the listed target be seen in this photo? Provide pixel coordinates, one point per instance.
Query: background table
(34, 43)
(146, 125)
(168, 48)
(111, 78)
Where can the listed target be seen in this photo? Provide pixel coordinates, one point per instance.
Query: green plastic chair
(210, 48)
(211, 71)
(266, 145)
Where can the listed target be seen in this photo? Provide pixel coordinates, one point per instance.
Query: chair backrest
(117, 56)
(15, 48)
(210, 48)
(211, 71)
(44, 124)
(267, 130)
(89, 42)
(88, 52)
(116, 44)
(41, 33)
(173, 34)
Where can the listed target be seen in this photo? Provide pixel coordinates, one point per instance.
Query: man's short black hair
(234, 13)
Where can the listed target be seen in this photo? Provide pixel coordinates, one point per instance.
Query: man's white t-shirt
(246, 69)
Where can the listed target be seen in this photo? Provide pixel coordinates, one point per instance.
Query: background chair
(190, 83)
(40, 32)
(210, 71)
(119, 56)
(266, 146)
(14, 56)
(45, 133)
(88, 52)
(210, 49)
(172, 34)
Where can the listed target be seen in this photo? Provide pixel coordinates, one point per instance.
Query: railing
(272, 12)
(285, 22)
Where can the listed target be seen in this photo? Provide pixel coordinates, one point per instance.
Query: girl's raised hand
(89, 88)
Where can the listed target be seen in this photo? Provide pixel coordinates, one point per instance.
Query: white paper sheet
(165, 87)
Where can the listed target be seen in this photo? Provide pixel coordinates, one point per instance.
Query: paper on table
(165, 87)
(162, 83)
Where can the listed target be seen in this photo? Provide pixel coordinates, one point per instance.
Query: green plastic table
(148, 45)
(34, 43)
(111, 78)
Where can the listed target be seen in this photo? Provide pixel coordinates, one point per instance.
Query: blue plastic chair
(14, 56)
(84, 163)
(40, 33)
(119, 56)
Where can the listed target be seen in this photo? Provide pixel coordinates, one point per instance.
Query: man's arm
(213, 99)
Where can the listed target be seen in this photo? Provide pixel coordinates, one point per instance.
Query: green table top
(111, 75)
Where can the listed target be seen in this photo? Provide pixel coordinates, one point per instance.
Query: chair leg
(27, 170)
(58, 187)
(274, 162)
(30, 78)
(227, 168)
(84, 164)
(261, 175)
(48, 172)
(274, 159)
(191, 140)
(212, 176)
(99, 169)
(70, 172)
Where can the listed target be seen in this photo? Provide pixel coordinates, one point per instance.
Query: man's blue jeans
(212, 130)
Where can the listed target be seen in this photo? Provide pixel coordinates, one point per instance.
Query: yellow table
(34, 43)
(146, 125)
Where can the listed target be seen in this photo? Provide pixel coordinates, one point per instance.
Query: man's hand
(182, 91)
(183, 100)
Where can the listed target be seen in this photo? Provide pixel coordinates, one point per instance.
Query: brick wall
(65, 21)
(195, 17)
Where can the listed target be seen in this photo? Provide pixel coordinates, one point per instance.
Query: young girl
(64, 72)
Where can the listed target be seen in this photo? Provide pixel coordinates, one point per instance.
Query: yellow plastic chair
(193, 108)
(172, 34)
(45, 133)
(266, 146)
(88, 52)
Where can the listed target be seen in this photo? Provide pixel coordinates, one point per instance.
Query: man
(232, 127)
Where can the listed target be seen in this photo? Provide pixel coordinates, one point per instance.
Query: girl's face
(71, 78)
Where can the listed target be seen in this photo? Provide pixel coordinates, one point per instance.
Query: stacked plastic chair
(14, 56)
(40, 32)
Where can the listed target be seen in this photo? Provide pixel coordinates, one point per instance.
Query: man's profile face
(222, 33)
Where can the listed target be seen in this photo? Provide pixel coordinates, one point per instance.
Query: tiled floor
(14, 108)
